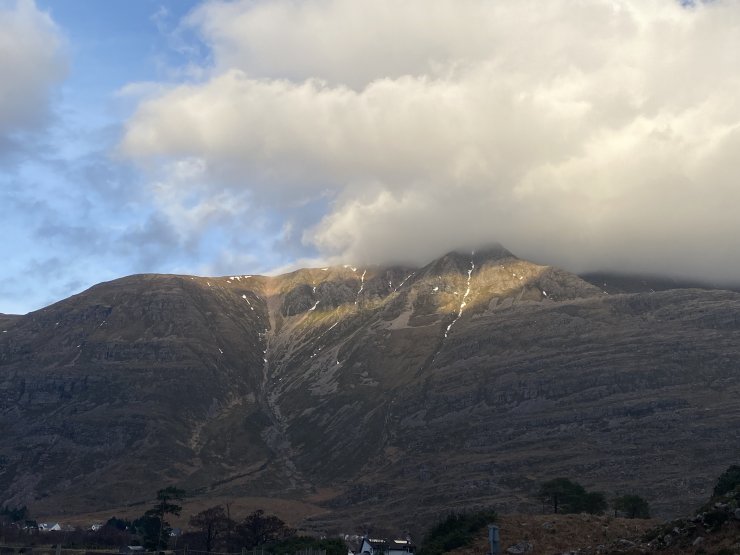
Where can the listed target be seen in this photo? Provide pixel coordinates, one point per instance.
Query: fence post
(59, 548)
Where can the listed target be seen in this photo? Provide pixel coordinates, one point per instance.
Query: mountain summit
(371, 394)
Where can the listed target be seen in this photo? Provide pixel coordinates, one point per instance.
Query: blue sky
(247, 136)
(73, 212)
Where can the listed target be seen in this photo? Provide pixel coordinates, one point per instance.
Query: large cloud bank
(32, 63)
(599, 134)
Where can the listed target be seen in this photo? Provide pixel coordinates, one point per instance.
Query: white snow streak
(362, 285)
(404, 281)
(465, 296)
(314, 306)
(246, 299)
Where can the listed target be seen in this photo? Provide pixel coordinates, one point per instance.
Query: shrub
(716, 518)
(728, 481)
(633, 506)
(454, 531)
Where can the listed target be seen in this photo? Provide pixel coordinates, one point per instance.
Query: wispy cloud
(32, 63)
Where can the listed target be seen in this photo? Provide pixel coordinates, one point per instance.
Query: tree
(118, 523)
(633, 506)
(594, 502)
(150, 530)
(15, 515)
(212, 523)
(728, 481)
(163, 506)
(260, 529)
(456, 530)
(563, 494)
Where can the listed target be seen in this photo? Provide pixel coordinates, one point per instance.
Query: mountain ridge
(357, 380)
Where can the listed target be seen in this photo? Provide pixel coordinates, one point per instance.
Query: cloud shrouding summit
(598, 134)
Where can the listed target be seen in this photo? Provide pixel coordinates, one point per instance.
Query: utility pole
(493, 538)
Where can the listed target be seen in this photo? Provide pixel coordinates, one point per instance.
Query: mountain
(376, 396)
(615, 283)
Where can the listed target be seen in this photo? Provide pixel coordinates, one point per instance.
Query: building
(129, 549)
(371, 546)
(401, 547)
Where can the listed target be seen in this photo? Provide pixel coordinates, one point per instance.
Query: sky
(251, 136)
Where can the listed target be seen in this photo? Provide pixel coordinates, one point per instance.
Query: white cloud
(590, 134)
(32, 62)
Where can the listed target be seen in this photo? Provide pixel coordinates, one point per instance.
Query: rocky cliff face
(402, 391)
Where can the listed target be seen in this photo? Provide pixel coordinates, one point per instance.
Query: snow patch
(314, 306)
(250, 304)
(404, 281)
(362, 285)
(463, 304)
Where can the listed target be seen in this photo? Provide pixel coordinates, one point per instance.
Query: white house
(401, 547)
(50, 527)
(371, 546)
